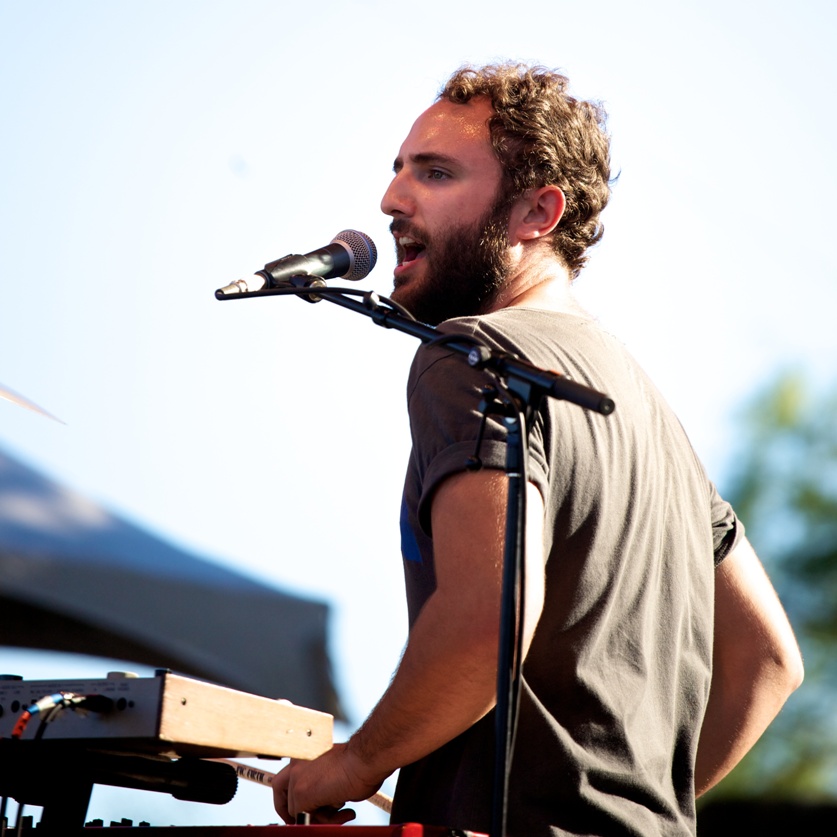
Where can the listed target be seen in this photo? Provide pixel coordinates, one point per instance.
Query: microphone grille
(363, 250)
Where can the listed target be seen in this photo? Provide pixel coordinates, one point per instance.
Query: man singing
(656, 652)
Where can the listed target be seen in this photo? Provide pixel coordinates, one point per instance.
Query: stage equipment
(351, 255)
(59, 738)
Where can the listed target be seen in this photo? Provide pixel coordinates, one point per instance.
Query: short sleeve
(727, 529)
(443, 400)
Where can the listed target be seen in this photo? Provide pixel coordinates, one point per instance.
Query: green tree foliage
(783, 485)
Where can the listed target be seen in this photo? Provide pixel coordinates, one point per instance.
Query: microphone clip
(303, 281)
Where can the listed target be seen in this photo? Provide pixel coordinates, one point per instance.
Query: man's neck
(540, 281)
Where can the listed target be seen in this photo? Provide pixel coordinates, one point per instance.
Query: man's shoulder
(525, 327)
(559, 341)
(541, 336)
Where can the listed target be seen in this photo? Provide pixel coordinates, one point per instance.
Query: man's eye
(435, 174)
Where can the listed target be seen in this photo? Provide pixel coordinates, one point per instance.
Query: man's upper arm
(756, 665)
(748, 614)
(468, 518)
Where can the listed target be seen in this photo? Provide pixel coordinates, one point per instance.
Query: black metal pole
(511, 619)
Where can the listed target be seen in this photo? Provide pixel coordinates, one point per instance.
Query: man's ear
(536, 214)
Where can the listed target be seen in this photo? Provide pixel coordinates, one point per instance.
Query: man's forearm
(736, 717)
(439, 690)
(445, 682)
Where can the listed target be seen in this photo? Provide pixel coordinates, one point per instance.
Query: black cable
(445, 339)
(50, 707)
(47, 717)
(510, 655)
(19, 821)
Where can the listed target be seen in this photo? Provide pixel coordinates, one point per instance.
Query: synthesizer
(166, 715)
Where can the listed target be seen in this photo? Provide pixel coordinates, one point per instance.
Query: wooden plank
(206, 715)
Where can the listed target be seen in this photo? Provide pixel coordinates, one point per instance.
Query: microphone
(350, 255)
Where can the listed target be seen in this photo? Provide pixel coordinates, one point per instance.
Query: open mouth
(409, 249)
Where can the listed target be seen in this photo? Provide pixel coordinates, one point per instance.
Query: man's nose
(397, 200)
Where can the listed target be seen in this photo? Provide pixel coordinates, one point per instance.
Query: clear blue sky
(154, 151)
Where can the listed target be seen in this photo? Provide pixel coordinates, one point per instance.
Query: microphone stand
(521, 386)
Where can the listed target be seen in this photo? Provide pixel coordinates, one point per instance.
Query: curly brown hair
(543, 136)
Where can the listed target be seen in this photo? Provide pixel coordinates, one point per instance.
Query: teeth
(406, 241)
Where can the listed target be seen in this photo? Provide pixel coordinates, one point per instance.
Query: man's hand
(322, 787)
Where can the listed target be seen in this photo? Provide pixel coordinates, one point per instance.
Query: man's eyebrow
(425, 159)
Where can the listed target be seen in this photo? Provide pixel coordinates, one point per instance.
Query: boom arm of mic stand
(529, 378)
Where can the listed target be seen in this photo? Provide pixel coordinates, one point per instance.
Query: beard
(465, 267)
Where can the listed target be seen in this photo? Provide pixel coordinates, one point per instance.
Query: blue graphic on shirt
(409, 545)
